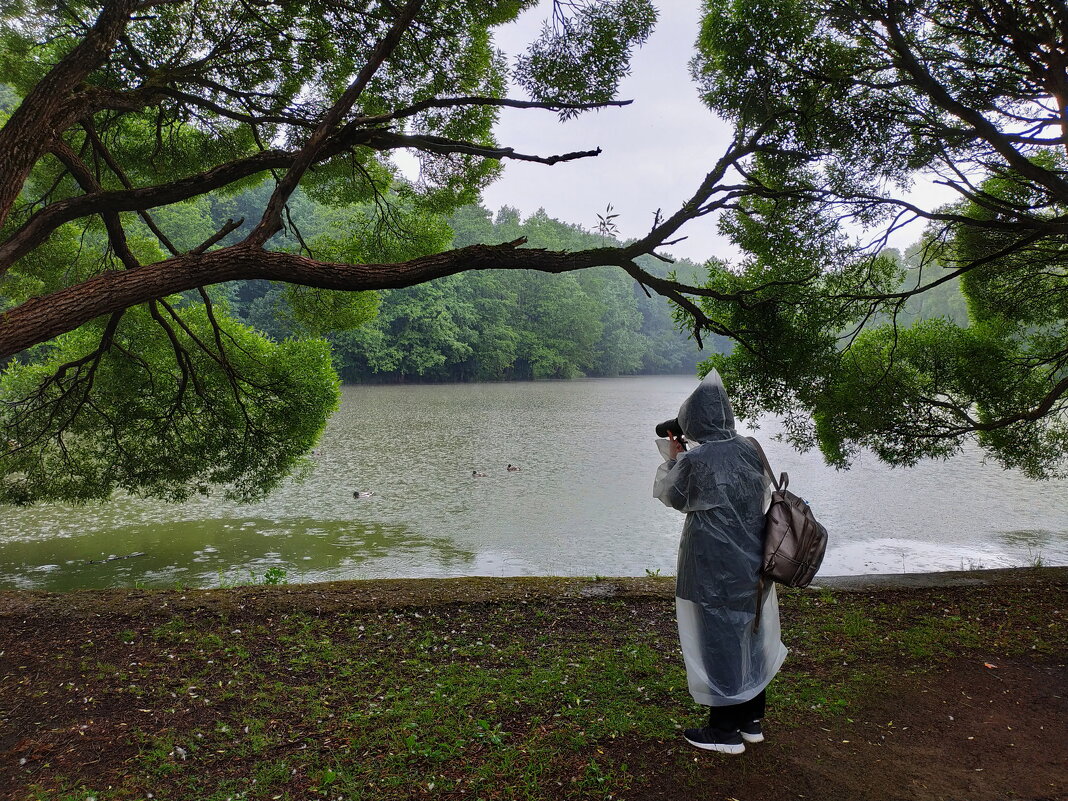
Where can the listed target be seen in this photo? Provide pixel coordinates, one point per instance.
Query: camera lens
(672, 426)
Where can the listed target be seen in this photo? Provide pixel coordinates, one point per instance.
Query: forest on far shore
(508, 324)
(495, 325)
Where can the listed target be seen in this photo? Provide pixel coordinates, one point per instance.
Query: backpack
(794, 541)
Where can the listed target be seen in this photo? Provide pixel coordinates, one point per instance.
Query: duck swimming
(513, 468)
(359, 494)
(476, 474)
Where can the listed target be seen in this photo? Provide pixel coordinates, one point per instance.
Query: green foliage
(275, 575)
(581, 58)
(158, 416)
(818, 70)
(316, 312)
(494, 325)
(252, 50)
(916, 387)
(356, 235)
(351, 235)
(943, 299)
(200, 104)
(1023, 284)
(964, 340)
(931, 359)
(486, 325)
(197, 103)
(8, 100)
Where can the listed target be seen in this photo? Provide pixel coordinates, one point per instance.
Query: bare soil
(986, 717)
(963, 732)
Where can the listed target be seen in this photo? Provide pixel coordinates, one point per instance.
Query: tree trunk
(51, 107)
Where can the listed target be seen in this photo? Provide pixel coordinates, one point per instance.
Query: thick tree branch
(40, 319)
(30, 131)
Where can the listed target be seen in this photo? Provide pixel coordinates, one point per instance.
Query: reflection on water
(1035, 540)
(222, 552)
(581, 505)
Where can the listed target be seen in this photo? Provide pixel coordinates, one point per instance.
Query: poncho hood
(706, 415)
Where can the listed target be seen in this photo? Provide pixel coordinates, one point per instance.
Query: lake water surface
(581, 505)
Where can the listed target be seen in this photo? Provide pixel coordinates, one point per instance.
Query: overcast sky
(655, 152)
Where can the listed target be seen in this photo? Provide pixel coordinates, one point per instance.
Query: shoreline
(404, 593)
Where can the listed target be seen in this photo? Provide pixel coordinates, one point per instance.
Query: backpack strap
(759, 603)
(779, 485)
(784, 479)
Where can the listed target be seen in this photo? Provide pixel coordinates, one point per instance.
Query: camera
(669, 426)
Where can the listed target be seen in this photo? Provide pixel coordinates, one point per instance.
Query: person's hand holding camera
(673, 431)
(677, 445)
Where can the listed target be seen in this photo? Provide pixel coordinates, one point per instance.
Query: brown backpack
(794, 541)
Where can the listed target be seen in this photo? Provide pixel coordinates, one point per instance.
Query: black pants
(729, 718)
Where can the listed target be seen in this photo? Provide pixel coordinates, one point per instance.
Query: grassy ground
(518, 689)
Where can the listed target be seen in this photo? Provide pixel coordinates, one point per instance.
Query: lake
(580, 505)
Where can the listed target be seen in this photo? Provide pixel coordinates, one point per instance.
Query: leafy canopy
(130, 127)
(853, 99)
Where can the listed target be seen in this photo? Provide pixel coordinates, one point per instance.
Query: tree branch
(272, 216)
(40, 319)
(444, 146)
(452, 102)
(88, 182)
(100, 148)
(33, 126)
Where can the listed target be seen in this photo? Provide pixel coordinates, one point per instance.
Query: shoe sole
(752, 738)
(722, 748)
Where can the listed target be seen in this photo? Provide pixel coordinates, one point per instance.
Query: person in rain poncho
(721, 485)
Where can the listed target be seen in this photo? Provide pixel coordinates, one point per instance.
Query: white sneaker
(725, 742)
(751, 732)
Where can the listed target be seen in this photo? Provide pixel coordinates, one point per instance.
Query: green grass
(495, 700)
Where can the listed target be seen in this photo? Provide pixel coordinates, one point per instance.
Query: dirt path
(966, 732)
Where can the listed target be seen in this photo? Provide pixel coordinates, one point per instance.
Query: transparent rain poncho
(721, 485)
